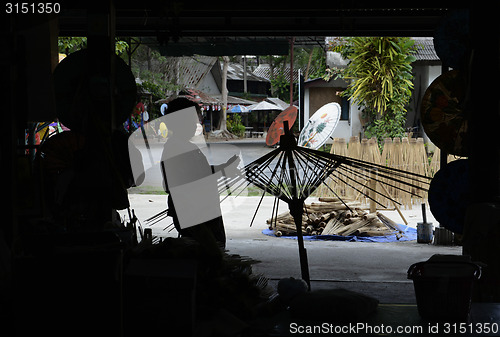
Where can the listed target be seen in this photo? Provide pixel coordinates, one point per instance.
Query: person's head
(181, 118)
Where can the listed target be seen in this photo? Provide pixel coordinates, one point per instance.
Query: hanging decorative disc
(163, 130)
(443, 113)
(448, 195)
(320, 126)
(60, 151)
(276, 129)
(163, 109)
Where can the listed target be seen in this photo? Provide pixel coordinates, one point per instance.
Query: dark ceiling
(210, 28)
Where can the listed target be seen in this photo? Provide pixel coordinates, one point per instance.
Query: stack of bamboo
(332, 217)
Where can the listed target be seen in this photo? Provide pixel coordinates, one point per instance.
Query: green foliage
(388, 125)
(315, 57)
(120, 46)
(380, 80)
(68, 45)
(152, 69)
(157, 92)
(234, 125)
(281, 87)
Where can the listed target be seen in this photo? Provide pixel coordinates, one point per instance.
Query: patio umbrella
(264, 106)
(238, 109)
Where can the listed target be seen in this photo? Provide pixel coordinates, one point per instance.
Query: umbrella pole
(296, 205)
(296, 209)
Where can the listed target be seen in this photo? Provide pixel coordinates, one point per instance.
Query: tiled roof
(235, 72)
(425, 49)
(193, 69)
(188, 71)
(264, 70)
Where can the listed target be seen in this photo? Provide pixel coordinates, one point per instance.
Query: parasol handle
(296, 210)
(287, 140)
(286, 128)
(424, 216)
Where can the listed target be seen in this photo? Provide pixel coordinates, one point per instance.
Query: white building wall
(208, 85)
(345, 128)
(356, 127)
(433, 73)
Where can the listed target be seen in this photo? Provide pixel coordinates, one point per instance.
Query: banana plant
(380, 79)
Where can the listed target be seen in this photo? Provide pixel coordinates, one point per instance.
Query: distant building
(319, 92)
(256, 87)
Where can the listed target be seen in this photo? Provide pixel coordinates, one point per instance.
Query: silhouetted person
(189, 179)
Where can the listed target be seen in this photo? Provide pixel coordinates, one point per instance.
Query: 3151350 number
(32, 7)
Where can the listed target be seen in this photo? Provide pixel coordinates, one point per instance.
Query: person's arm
(221, 167)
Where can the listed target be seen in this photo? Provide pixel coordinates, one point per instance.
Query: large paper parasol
(60, 152)
(276, 129)
(291, 173)
(79, 95)
(320, 126)
(448, 195)
(443, 113)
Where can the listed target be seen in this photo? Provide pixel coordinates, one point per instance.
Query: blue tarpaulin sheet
(409, 234)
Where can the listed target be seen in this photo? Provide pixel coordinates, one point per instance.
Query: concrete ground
(377, 269)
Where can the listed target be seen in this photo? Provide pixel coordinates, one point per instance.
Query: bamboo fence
(407, 154)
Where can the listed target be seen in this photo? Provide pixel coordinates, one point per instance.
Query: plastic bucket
(443, 286)
(424, 232)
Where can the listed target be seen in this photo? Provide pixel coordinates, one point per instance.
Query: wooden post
(292, 42)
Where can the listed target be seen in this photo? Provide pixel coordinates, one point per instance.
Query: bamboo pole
(372, 192)
(395, 204)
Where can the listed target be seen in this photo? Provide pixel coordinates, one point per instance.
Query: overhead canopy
(221, 28)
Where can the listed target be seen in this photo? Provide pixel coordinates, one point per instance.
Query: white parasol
(320, 126)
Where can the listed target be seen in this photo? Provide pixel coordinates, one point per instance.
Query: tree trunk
(222, 129)
(148, 58)
(222, 121)
(271, 75)
(306, 76)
